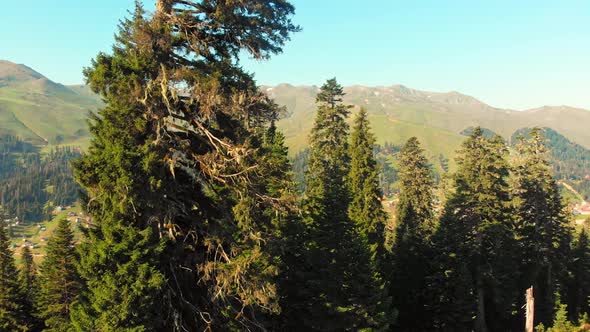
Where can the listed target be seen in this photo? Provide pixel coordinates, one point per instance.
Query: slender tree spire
(11, 307)
(365, 208)
(414, 226)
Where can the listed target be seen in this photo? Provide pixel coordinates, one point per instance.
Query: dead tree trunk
(530, 311)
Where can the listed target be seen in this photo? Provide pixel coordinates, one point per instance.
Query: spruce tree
(541, 227)
(414, 226)
(579, 282)
(11, 306)
(476, 229)
(29, 286)
(59, 283)
(337, 288)
(366, 210)
(174, 171)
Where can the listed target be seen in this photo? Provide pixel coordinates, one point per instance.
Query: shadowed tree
(414, 226)
(476, 233)
(12, 311)
(542, 227)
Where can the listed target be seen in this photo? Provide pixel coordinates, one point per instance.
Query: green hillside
(406, 108)
(38, 110)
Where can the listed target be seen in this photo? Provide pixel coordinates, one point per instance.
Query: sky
(510, 54)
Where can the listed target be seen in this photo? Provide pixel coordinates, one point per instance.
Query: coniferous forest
(202, 222)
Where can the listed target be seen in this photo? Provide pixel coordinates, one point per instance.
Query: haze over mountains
(39, 110)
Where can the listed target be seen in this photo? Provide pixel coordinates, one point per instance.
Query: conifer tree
(174, 170)
(337, 288)
(11, 307)
(366, 210)
(59, 282)
(579, 283)
(476, 229)
(414, 226)
(28, 284)
(541, 226)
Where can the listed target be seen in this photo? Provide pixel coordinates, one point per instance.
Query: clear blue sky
(509, 53)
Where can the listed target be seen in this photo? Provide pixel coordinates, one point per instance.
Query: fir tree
(337, 288)
(476, 229)
(579, 282)
(11, 307)
(541, 227)
(174, 170)
(59, 282)
(29, 284)
(414, 226)
(365, 208)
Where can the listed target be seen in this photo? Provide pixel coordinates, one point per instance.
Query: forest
(199, 223)
(33, 183)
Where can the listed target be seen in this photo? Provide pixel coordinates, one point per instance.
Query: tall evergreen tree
(579, 282)
(11, 306)
(59, 282)
(414, 226)
(174, 170)
(366, 210)
(476, 230)
(29, 285)
(337, 288)
(542, 227)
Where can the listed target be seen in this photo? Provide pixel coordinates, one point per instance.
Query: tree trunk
(530, 311)
(480, 319)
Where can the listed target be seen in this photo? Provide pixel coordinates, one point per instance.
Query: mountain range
(44, 112)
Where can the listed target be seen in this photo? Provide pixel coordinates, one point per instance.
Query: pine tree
(337, 288)
(365, 208)
(476, 229)
(414, 226)
(59, 282)
(541, 227)
(174, 170)
(579, 282)
(29, 284)
(11, 306)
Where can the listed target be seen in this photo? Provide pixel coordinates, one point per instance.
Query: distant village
(35, 235)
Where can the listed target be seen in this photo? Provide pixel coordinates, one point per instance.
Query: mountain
(41, 111)
(397, 111)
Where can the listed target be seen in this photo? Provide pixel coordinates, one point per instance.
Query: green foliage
(333, 292)
(414, 226)
(365, 208)
(26, 174)
(569, 161)
(59, 283)
(541, 226)
(578, 283)
(29, 285)
(476, 229)
(12, 310)
(561, 322)
(178, 171)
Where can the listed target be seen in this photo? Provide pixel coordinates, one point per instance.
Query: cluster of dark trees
(384, 156)
(198, 225)
(570, 161)
(31, 182)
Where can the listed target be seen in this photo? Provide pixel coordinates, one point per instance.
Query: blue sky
(516, 54)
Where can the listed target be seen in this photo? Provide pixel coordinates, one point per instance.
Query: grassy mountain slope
(450, 113)
(39, 110)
